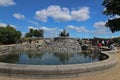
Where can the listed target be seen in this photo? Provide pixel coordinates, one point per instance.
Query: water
(50, 58)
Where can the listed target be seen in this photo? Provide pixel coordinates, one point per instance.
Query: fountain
(60, 57)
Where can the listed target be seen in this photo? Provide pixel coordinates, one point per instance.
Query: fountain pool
(51, 58)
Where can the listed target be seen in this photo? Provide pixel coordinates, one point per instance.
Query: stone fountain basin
(55, 71)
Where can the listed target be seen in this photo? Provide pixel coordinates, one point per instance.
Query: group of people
(108, 43)
(100, 43)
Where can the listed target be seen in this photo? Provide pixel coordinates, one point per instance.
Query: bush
(9, 35)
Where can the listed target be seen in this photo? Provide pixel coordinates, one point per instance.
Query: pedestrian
(30, 41)
(112, 46)
(99, 45)
(103, 43)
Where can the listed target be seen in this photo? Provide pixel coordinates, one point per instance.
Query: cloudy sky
(81, 18)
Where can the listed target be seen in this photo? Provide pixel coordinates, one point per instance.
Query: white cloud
(7, 3)
(32, 27)
(41, 15)
(50, 32)
(13, 26)
(43, 27)
(80, 15)
(116, 16)
(58, 13)
(18, 16)
(100, 28)
(62, 14)
(78, 29)
(23, 34)
(33, 22)
(100, 32)
(4, 25)
(99, 25)
(48, 29)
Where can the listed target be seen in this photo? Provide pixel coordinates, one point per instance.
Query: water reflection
(50, 58)
(63, 57)
(10, 58)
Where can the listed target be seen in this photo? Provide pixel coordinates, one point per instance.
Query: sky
(81, 18)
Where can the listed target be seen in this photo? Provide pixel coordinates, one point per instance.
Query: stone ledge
(57, 70)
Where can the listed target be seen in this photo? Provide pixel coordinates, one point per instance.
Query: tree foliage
(64, 34)
(9, 35)
(35, 33)
(38, 33)
(112, 8)
(117, 40)
(114, 24)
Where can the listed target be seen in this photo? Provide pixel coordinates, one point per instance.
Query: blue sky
(81, 18)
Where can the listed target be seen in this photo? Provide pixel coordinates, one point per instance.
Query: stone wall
(61, 45)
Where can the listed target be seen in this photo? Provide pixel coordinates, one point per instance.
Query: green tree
(35, 33)
(67, 34)
(41, 31)
(9, 35)
(30, 33)
(27, 35)
(64, 34)
(112, 8)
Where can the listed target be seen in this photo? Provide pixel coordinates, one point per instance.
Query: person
(30, 41)
(108, 43)
(112, 46)
(99, 45)
(103, 43)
